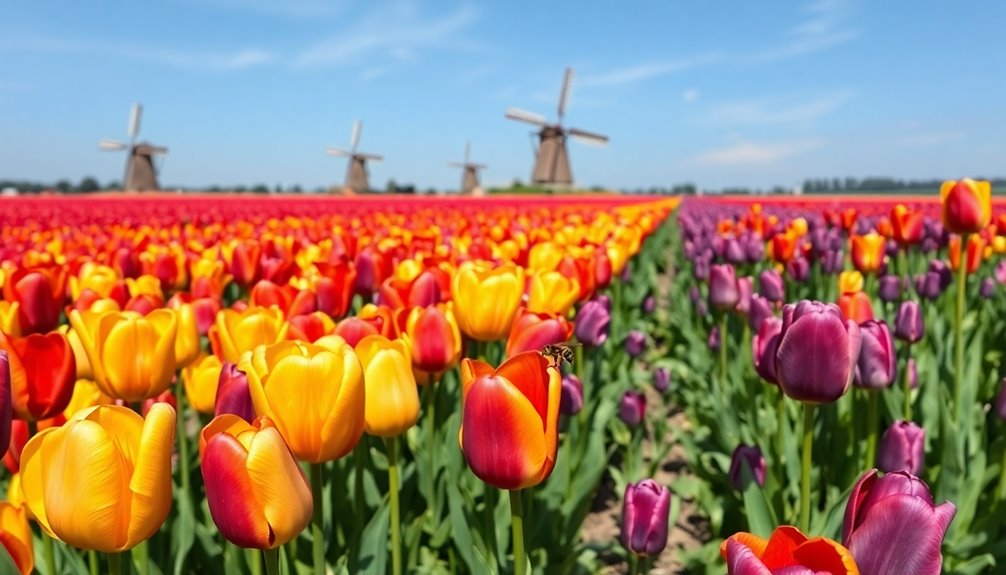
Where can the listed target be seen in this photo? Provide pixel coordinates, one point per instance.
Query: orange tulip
(907, 225)
(786, 548)
(975, 252)
(15, 536)
(856, 306)
(967, 205)
(868, 252)
(532, 331)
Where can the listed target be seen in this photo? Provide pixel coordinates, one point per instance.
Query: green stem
(183, 439)
(962, 279)
(271, 557)
(871, 428)
(318, 520)
(780, 415)
(517, 521)
(723, 354)
(1001, 490)
(92, 562)
(114, 564)
(141, 555)
(808, 445)
(489, 519)
(47, 552)
(254, 561)
(908, 384)
(431, 441)
(396, 533)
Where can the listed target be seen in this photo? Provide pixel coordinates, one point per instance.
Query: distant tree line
(878, 184)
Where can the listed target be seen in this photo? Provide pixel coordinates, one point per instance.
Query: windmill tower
(356, 174)
(551, 165)
(141, 173)
(469, 172)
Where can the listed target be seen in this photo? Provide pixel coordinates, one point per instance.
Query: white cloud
(690, 95)
(752, 153)
(398, 33)
(777, 111)
(646, 70)
(824, 26)
(923, 139)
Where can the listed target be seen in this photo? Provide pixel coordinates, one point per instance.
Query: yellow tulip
(234, 333)
(545, 256)
(200, 379)
(95, 277)
(86, 394)
(132, 357)
(15, 536)
(187, 337)
(850, 281)
(14, 494)
(487, 299)
(145, 285)
(392, 398)
(552, 292)
(102, 481)
(9, 323)
(314, 395)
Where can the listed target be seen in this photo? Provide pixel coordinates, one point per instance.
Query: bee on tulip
(557, 354)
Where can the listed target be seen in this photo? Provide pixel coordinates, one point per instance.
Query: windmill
(141, 174)
(551, 165)
(356, 175)
(469, 172)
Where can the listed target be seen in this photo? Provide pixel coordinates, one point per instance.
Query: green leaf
(761, 518)
(374, 547)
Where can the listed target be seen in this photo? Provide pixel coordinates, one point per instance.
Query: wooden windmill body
(551, 165)
(141, 171)
(357, 177)
(469, 172)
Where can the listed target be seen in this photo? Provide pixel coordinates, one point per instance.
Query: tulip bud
(649, 305)
(761, 309)
(645, 511)
(833, 262)
(571, 398)
(928, 285)
(733, 252)
(876, 367)
(635, 343)
(744, 290)
(910, 323)
(15, 534)
(817, 352)
(890, 288)
(988, 288)
(723, 290)
(592, 323)
(770, 286)
(1000, 406)
(753, 456)
(632, 409)
(233, 395)
(713, 341)
(661, 379)
(763, 348)
(902, 448)
(967, 205)
(892, 527)
(798, 269)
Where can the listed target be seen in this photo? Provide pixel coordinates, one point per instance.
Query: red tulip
(533, 331)
(43, 370)
(40, 293)
(787, 552)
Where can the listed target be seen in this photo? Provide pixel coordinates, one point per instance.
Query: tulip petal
(527, 372)
(230, 494)
(503, 438)
(472, 369)
(279, 486)
(826, 556)
(813, 360)
(902, 536)
(151, 482)
(779, 550)
(741, 560)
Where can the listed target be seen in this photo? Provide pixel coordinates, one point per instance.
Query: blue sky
(717, 92)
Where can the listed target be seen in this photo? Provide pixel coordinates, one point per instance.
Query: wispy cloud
(395, 34)
(690, 95)
(824, 25)
(187, 59)
(645, 71)
(745, 153)
(777, 111)
(923, 139)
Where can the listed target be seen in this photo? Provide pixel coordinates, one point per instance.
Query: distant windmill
(141, 174)
(356, 175)
(469, 172)
(551, 166)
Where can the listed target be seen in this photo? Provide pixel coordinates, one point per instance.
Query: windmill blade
(134, 120)
(567, 84)
(524, 116)
(157, 150)
(111, 145)
(369, 157)
(478, 166)
(354, 138)
(468, 149)
(588, 137)
(337, 152)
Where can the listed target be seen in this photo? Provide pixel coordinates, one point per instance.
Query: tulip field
(297, 385)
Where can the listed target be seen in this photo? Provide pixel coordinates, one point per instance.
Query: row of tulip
(341, 385)
(846, 337)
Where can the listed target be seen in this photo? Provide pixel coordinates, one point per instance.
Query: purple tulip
(645, 511)
(771, 286)
(929, 285)
(632, 408)
(713, 341)
(6, 411)
(752, 455)
(1000, 406)
(605, 302)
(763, 348)
(744, 290)
(910, 323)
(988, 288)
(592, 323)
(817, 352)
(755, 250)
(233, 394)
(635, 343)
(733, 252)
(902, 448)
(889, 289)
(649, 305)
(761, 309)
(913, 374)
(723, 290)
(798, 269)
(891, 526)
(701, 269)
(571, 395)
(833, 262)
(944, 272)
(695, 294)
(661, 379)
(930, 245)
(877, 365)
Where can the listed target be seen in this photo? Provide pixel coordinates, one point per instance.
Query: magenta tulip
(761, 309)
(571, 395)
(891, 526)
(876, 367)
(233, 395)
(592, 322)
(632, 408)
(910, 324)
(902, 448)
(817, 352)
(645, 511)
(744, 290)
(6, 410)
(755, 460)
(723, 290)
(763, 348)
(771, 286)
